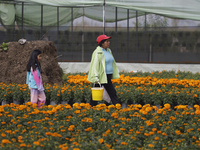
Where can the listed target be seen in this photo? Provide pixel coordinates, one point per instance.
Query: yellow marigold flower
(144, 112)
(167, 106)
(107, 110)
(111, 106)
(118, 106)
(196, 106)
(148, 109)
(197, 112)
(68, 106)
(77, 112)
(153, 83)
(159, 111)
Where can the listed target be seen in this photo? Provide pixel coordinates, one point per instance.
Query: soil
(14, 60)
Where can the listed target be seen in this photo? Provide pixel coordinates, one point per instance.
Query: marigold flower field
(101, 127)
(141, 125)
(155, 88)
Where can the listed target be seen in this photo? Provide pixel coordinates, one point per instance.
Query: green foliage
(26, 93)
(56, 94)
(67, 94)
(4, 46)
(17, 94)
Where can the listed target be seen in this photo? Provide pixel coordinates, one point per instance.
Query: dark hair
(102, 41)
(33, 61)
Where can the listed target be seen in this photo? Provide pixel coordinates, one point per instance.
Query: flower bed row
(130, 87)
(83, 127)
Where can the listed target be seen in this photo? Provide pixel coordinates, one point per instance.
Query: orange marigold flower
(167, 106)
(151, 133)
(164, 134)
(137, 132)
(107, 110)
(194, 137)
(5, 141)
(36, 143)
(22, 145)
(154, 129)
(124, 143)
(20, 137)
(146, 134)
(101, 141)
(159, 132)
(3, 134)
(151, 145)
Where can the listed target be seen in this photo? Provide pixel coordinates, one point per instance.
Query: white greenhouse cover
(185, 9)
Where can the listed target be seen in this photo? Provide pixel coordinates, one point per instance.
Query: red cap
(102, 37)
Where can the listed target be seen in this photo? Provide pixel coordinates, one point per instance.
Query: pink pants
(38, 97)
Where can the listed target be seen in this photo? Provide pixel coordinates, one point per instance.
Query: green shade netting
(93, 9)
(7, 14)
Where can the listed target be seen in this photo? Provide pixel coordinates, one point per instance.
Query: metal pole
(22, 25)
(72, 23)
(137, 31)
(127, 35)
(72, 39)
(41, 21)
(58, 27)
(116, 28)
(104, 17)
(145, 32)
(83, 36)
(14, 27)
(150, 53)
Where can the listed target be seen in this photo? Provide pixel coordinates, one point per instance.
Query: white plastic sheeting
(185, 9)
(74, 67)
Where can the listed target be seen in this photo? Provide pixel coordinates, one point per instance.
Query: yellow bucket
(97, 93)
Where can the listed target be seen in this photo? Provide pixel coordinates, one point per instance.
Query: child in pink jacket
(34, 78)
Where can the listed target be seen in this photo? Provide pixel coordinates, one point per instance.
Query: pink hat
(102, 37)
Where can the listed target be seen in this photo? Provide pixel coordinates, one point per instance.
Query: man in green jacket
(103, 68)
